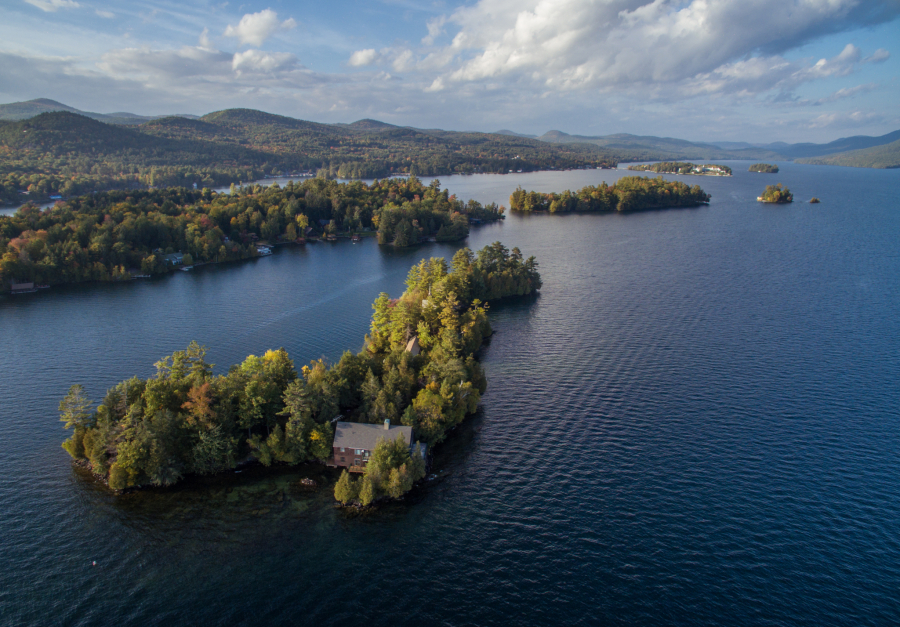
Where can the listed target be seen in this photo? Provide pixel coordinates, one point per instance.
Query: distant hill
(513, 134)
(26, 110)
(858, 142)
(886, 156)
(649, 148)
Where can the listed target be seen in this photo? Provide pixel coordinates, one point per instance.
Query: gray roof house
(355, 441)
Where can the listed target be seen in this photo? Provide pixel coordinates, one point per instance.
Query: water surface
(696, 423)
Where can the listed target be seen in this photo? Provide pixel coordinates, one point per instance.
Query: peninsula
(679, 167)
(417, 369)
(114, 236)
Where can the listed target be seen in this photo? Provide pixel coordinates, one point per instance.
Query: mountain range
(223, 142)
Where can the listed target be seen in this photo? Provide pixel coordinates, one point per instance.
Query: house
(412, 347)
(174, 259)
(355, 441)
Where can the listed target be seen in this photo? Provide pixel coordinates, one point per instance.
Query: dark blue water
(696, 423)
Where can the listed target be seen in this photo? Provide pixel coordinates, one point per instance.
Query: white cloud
(255, 28)
(52, 6)
(106, 14)
(578, 45)
(257, 60)
(204, 39)
(879, 56)
(363, 57)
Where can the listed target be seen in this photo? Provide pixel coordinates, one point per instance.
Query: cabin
(355, 441)
(174, 259)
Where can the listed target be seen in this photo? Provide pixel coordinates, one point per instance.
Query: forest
(776, 194)
(115, 235)
(66, 154)
(629, 193)
(680, 167)
(766, 168)
(185, 420)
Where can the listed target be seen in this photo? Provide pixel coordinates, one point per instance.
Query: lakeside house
(354, 442)
(174, 259)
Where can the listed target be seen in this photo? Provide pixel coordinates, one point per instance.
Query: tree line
(186, 420)
(629, 193)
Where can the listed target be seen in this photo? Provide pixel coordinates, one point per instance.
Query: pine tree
(346, 489)
(366, 491)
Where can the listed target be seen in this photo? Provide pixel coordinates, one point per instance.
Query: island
(682, 167)
(118, 235)
(814, 200)
(418, 369)
(776, 194)
(766, 168)
(629, 193)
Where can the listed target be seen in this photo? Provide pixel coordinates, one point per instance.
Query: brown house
(355, 441)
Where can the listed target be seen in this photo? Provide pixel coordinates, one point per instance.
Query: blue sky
(754, 70)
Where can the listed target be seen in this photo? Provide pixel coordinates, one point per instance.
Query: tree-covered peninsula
(186, 420)
(680, 167)
(629, 193)
(114, 235)
(766, 168)
(776, 194)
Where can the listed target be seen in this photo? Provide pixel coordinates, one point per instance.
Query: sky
(705, 70)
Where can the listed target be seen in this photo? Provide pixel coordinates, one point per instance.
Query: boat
(263, 250)
(42, 287)
(186, 268)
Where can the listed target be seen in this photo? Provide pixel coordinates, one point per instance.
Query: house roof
(365, 436)
(413, 346)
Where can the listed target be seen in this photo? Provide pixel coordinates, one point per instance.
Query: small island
(766, 168)
(776, 194)
(683, 167)
(629, 193)
(814, 201)
(417, 375)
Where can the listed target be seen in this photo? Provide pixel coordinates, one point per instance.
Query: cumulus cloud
(574, 45)
(52, 6)
(259, 61)
(255, 28)
(363, 57)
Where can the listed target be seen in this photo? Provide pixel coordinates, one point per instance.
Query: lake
(697, 422)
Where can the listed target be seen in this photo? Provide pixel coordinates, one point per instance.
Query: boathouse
(355, 441)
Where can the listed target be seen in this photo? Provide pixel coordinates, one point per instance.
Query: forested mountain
(886, 156)
(67, 154)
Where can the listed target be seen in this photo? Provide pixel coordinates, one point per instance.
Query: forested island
(776, 194)
(681, 167)
(629, 193)
(766, 168)
(184, 420)
(115, 235)
(65, 154)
